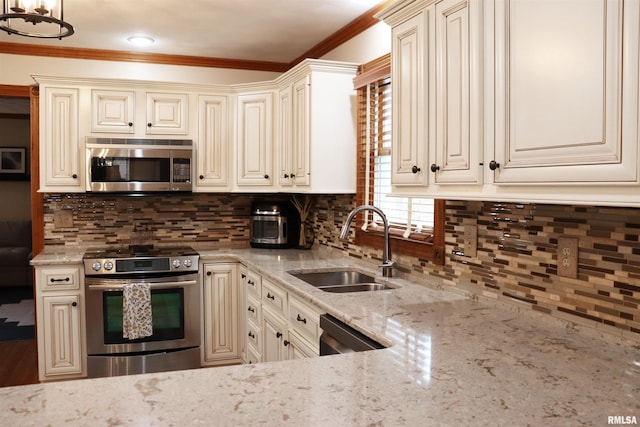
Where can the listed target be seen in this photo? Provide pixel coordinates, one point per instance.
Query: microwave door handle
(119, 286)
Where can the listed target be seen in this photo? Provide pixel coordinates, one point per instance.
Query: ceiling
(258, 30)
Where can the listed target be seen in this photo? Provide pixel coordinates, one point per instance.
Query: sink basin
(340, 281)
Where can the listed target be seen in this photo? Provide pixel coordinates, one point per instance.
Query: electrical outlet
(470, 241)
(568, 257)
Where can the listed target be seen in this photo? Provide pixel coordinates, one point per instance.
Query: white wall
(366, 46)
(17, 70)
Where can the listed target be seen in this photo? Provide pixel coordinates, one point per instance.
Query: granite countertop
(452, 361)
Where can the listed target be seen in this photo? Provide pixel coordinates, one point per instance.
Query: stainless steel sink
(340, 281)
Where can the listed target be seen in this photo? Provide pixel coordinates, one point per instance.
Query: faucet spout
(387, 263)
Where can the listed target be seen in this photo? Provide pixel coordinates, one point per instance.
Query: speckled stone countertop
(452, 362)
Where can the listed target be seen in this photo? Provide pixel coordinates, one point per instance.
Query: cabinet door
(409, 95)
(62, 336)
(212, 155)
(274, 330)
(285, 139)
(255, 127)
(167, 113)
(299, 348)
(112, 111)
(561, 69)
(61, 160)
(220, 313)
(458, 110)
(301, 123)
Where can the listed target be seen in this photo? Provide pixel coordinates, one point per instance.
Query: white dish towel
(137, 321)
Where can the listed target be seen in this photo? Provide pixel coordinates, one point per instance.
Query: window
(416, 224)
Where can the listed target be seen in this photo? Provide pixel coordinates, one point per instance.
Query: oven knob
(187, 262)
(176, 263)
(96, 266)
(108, 265)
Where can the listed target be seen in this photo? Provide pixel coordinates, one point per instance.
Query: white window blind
(413, 218)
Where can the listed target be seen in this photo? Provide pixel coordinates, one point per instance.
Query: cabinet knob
(266, 176)
(286, 175)
(286, 342)
(301, 319)
(201, 176)
(74, 304)
(130, 124)
(208, 273)
(74, 176)
(149, 124)
(435, 168)
(493, 165)
(415, 169)
(278, 334)
(293, 175)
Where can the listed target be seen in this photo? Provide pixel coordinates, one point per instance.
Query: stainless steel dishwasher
(338, 338)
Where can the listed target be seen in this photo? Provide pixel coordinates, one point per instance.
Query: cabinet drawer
(254, 310)
(304, 320)
(58, 278)
(274, 298)
(254, 284)
(252, 355)
(254, 336)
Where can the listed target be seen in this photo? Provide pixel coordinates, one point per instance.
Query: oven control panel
(141, 265)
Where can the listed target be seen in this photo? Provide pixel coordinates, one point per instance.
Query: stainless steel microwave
(139, 165)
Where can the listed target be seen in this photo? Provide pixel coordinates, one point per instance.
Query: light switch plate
(568, 257)
(471, 241)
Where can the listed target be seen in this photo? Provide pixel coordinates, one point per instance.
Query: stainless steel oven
(172, 276)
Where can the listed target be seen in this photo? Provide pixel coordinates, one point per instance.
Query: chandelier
(35, 18)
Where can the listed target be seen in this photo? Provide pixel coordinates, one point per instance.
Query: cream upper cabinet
(314, 121)
(255, 139)
(167, 113)
(458, 77)
(517, 100)
(139, 112)
(212, 145)
(294, 134)
(61, 157)
(409, 99)
(112, 111)
(566, 91)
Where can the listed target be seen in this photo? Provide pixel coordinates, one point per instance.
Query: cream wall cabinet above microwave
(544, 112)
(116, 111)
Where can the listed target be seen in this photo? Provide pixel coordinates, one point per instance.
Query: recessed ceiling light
(140, 40)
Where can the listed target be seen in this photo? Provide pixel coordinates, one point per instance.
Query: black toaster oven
(274, 225)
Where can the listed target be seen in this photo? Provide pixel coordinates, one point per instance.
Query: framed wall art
(13, 163)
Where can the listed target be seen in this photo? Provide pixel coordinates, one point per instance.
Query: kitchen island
(451, 361)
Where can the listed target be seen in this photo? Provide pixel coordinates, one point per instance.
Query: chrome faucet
(387, 263)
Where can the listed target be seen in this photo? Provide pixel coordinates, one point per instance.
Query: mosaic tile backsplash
(516, 260)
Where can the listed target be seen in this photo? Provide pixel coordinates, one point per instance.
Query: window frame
(430, 249)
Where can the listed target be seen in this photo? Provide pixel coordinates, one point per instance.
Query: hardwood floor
(18, 363)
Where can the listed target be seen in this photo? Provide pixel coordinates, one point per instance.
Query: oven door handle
(159, 285)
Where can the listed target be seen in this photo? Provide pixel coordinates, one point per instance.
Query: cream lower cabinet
(221, 344)
(279, 326)
(60, 322)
